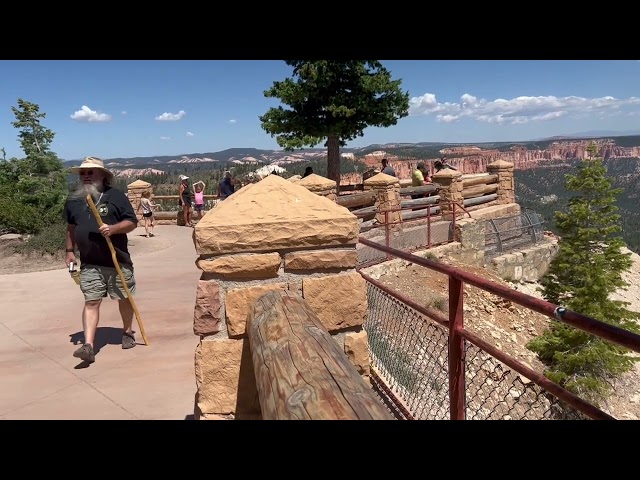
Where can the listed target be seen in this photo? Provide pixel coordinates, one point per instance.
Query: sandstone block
(340, 301)
(240, 301)
(321, 259)
(356, 347)
(225, 378)
(274, 214)
(207, 312)
(247, 265)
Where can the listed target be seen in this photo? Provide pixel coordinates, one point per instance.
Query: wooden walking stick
(117, 265)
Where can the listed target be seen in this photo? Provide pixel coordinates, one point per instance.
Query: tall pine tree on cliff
(586, 271)
(333, 100)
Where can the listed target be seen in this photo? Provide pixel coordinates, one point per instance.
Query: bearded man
(98, 275)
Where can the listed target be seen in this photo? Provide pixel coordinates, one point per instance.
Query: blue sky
(127, 108)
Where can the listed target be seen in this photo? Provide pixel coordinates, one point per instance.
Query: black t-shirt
(114, 207)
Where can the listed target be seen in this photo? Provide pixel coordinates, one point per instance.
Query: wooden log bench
(301, 372)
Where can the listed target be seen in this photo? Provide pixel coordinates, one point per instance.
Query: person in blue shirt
(225, 187)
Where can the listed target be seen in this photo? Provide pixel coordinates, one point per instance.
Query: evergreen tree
(333, 100)
(586, 271)
(32, 189)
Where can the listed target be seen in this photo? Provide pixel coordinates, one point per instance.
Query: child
(147, 212)
(198, 193)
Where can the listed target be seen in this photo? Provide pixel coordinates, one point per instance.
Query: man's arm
(70, 241)
(125, 214)
(125, 226)
(71, 238)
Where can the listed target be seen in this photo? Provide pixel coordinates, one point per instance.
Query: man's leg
(94, 287)
(117, 290)
(126, 312)
(90, 319)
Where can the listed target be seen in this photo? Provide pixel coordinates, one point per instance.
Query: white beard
(94, 189)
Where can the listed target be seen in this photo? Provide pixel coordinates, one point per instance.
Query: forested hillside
(542, 189)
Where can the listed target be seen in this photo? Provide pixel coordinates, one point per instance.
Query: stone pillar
(319, 185)
(387, 189)
(506, 190)
(270, 235)
(134, 193)
(451, 191)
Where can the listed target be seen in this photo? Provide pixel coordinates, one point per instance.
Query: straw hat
(92, 163)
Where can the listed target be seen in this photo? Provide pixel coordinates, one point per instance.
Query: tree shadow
(104, 336)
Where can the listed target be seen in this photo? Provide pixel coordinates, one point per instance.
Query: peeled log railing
(301, 373)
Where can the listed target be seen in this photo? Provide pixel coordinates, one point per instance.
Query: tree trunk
(333, 160)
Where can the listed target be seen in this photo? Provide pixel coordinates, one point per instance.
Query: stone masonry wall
(270, 235)
(529, 264)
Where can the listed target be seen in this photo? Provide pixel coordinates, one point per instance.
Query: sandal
(85, 353)
(128, 340)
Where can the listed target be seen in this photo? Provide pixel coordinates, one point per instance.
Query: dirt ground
(509, 326)
(12, 263)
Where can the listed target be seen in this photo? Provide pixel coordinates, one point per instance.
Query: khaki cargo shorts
(97, 281)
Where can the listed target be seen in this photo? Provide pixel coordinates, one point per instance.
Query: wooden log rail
(368, 198)
(301, 373)
(479, 185)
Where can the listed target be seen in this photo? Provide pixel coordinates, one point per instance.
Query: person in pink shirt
(198, 192)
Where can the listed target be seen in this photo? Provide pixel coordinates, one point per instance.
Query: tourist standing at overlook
(147, 212)
(387, 169)
(184, 200)
(198, 193)
(441, 164)
(225, 187)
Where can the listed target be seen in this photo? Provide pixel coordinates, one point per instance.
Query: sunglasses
(82, 173)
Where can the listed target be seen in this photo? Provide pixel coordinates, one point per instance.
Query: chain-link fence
(409, 351)
(512, 232)
(495, 392)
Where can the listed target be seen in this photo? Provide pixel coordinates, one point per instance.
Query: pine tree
(586, 271)
(333, 100)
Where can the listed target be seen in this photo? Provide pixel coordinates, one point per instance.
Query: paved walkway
(40, 323)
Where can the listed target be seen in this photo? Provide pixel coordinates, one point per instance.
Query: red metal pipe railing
(457, 398)
(604, 330)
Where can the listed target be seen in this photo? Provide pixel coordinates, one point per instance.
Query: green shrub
(19, 218)
(51, 240)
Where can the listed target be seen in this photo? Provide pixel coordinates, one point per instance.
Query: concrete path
(41, 326)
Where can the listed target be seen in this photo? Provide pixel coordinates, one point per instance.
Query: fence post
(504, 170)
(387, 189)
(456, 350)
(450, 191)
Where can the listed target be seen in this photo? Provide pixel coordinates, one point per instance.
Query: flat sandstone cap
(274, 214)
(316, 183)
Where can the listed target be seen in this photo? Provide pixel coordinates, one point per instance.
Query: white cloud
(518, 110)
(165, 138)
(233, 121)
(171, 117)
(124, 112)
(189, 134)
(85, 114)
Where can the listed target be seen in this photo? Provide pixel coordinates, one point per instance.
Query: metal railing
(432, 367)
(511, 232)
(425, 229)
